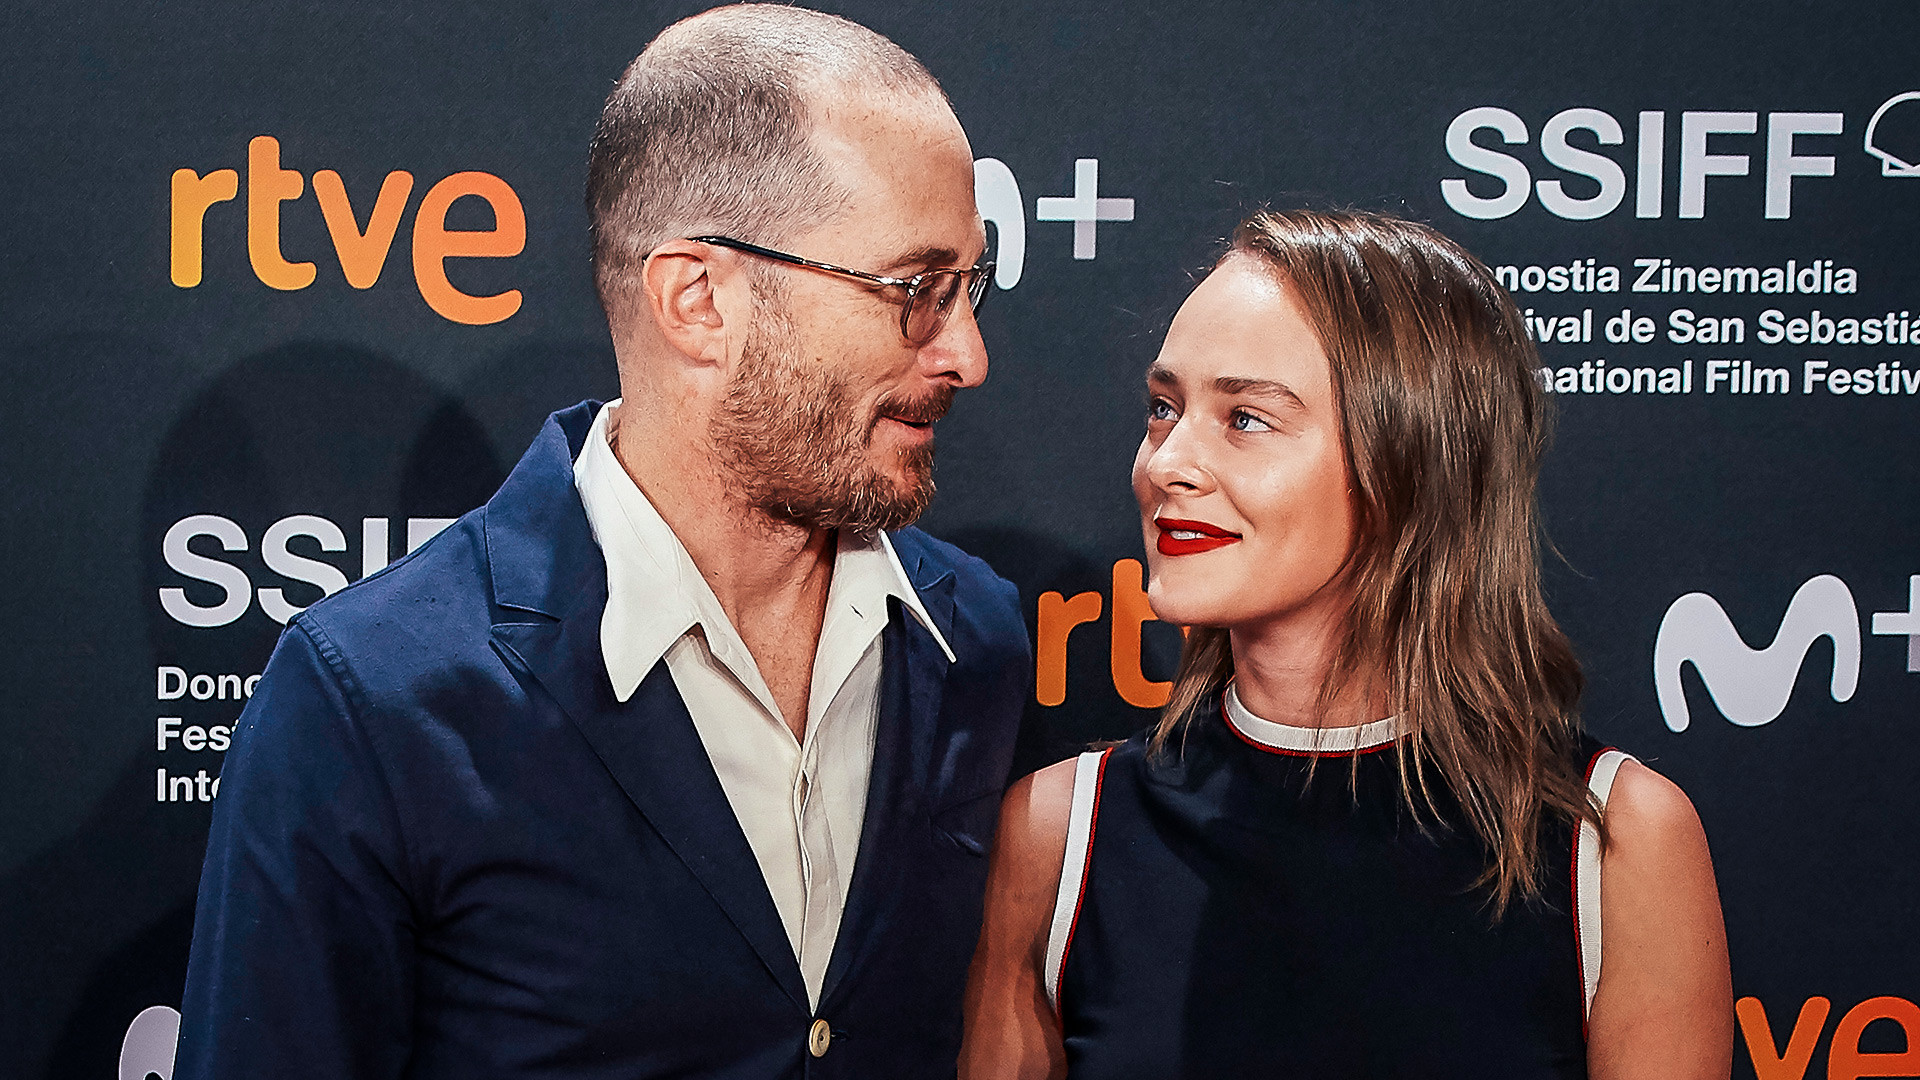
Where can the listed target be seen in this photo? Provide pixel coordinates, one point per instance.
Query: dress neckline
(1294, 739)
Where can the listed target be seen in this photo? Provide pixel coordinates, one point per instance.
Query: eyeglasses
(930, 295)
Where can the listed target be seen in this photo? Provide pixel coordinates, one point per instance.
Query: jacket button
(819, 1037)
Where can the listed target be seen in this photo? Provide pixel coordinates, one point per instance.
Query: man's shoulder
(986, 606)
(927, 559)
(439, 594)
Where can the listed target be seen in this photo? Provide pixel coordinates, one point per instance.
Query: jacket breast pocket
(969, 823)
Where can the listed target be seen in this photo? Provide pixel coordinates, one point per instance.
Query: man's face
(828, 419)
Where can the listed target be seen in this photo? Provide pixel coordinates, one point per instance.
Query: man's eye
(1242, 420)
(1160, 409)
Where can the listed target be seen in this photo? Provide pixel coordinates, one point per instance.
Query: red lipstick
(1181, 537)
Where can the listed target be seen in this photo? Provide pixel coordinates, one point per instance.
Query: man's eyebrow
(1236, 385)
(926, 257)
(1162, 375)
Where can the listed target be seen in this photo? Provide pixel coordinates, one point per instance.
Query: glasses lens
(982, 277)
(928, 309)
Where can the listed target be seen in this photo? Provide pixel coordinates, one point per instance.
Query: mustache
(924, 409)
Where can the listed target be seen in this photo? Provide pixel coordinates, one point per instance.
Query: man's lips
(1179, 536)
(919, 431)
(918, 412)
(915, 418)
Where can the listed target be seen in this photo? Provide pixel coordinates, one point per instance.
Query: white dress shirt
(800, 802)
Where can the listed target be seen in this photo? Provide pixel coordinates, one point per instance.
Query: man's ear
(678, 285)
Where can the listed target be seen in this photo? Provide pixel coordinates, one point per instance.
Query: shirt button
(819, 1038)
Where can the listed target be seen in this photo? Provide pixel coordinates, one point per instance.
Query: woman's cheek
(1142, 487)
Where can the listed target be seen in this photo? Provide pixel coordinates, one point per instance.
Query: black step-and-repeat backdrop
(286, 287)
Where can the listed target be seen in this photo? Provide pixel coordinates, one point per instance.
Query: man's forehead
(897, 134)
(907, 172)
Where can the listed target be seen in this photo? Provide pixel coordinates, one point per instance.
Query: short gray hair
(709, 131)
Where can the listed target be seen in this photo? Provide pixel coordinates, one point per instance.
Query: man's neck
(771, 577)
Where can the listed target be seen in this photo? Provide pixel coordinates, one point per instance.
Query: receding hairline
(828, 41)
(834, 63)
(769, 60)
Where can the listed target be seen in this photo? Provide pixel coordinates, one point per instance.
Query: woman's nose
(1178, 463)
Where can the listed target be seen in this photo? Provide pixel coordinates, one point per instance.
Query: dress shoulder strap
(1601, 770)
(1088, 770)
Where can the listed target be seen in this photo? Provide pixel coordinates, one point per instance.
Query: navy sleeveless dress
(1220, 916)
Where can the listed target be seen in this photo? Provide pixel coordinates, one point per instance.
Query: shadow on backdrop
(327, 432)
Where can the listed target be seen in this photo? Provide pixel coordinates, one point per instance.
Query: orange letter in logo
(269, 185)
(362, 255)
(192, 195)
(1130, 613)
(434, 243)
(1844, 1059)
(1792, 1063)
(1058, 617)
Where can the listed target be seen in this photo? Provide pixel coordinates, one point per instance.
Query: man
(668, 761)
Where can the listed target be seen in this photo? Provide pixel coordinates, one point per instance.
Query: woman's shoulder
(1649, 814)
(1040, 801)
(1038, 809)
(1032, 840)
(1638, 798)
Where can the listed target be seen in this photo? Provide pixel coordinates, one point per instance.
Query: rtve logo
(1751, 686)
(1846, 1060)
(362, 253)
(1057, 617)
(1598, 128)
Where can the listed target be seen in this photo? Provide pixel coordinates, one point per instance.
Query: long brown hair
(1444, 426)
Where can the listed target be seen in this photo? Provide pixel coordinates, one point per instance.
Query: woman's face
(1244, 490)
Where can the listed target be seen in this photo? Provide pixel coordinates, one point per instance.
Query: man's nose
(957, 353)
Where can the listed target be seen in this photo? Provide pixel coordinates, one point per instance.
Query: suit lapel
(898, 820)
(653, 751)
(551, 586)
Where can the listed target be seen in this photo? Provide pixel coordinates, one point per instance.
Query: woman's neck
(1281, 668)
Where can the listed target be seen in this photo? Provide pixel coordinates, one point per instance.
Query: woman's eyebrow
(1236, 385)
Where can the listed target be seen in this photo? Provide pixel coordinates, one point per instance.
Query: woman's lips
(1181, 537)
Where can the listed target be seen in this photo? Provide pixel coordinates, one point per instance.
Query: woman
(1367, 837)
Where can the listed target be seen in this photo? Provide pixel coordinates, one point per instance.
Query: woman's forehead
(1241, 331)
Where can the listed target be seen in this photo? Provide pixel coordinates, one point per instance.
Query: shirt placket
(819, 875)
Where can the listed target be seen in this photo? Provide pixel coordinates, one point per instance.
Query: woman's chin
(1188, 606)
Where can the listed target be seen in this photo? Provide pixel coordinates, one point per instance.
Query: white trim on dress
(1073, 866)
(1586, 875)
(1350, 739)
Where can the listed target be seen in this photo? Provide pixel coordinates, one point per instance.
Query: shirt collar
(655, 593)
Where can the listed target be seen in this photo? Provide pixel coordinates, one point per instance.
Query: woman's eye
(1242, 420)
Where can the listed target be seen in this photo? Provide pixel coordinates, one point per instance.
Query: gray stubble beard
(787, 434)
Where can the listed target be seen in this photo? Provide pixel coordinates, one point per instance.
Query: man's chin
(900, 496)
(887, 500)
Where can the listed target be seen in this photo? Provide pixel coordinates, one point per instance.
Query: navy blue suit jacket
(443, 849)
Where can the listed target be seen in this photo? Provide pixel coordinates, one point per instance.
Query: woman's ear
(678, 285)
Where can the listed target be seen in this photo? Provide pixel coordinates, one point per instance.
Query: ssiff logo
(1879, 144)
(1751, 686)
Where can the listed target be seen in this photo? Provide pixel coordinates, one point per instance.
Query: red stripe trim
(1579, 944)
(1284, 752)
(1086, 866)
